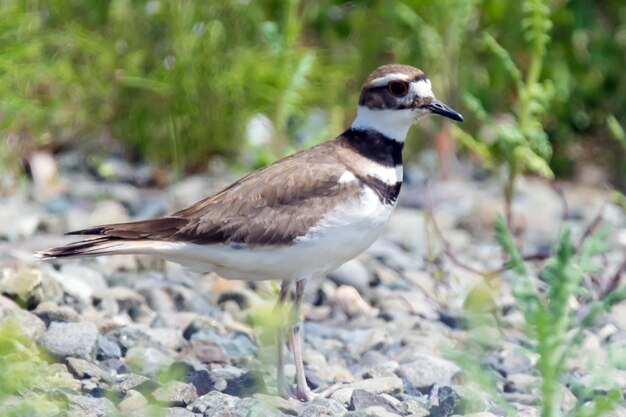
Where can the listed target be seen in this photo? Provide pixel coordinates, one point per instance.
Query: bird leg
(303, 392)
(281, 383)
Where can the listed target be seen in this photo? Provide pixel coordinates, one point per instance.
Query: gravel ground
(136, 335)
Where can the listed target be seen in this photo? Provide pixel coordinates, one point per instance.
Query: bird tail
(90, 247)
(144, 236)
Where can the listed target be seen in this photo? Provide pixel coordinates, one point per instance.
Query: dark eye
(398, 88)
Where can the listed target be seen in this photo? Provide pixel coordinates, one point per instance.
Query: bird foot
(285, 391)
(304, 394)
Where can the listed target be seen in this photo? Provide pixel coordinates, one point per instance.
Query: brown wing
(270, 206)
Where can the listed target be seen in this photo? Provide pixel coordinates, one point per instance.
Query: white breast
(348, 230)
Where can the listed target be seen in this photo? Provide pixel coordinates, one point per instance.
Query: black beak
(438, 107)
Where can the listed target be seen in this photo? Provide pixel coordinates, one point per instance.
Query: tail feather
(134, 237)
(155, 229)
(90, 247)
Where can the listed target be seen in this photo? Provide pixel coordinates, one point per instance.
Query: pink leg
(303, 393)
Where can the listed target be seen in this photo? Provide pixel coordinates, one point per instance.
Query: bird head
(394, 97)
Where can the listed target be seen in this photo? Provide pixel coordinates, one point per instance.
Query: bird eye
(398, 88)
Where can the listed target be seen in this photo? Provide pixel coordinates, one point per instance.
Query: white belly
(341, 235)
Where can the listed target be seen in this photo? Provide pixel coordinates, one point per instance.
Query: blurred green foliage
(521, 142)
(177, 81)
(25, 375)
(551, 321)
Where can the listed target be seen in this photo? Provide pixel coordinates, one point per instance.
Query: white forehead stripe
(384, 80)
(422, 88)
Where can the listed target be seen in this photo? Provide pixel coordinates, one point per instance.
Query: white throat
(394, 124)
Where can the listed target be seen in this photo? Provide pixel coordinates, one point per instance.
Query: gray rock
(424, 371)
(214, 403)
(102, 212)
(96, 407)
(511, 360)
(114, 366)
(131, 382)
(201, 380)
(7, 303)
(79, 340)
(81, 368)
(347, 300)
(187, 190)
(108, 349)
(180, 412)
(246, 385)
(209, 351)
(382, 370)
(404, 220)
(361, 340)
(323, 407)
(287, 406)
(176, 393)
(29, 324)
(133, 400)
(147, 360)
(63, 379)
(25, 219)
(159, 299)
(472, 399)
(128, 337)
(529, 411)
(250, 407)
(150, 207)
(79, 281)
(227, 372)
(391, 254)
(30, 285)
(362, 400)
(361, 413)
(87, 385)
(128, 300)
(238, 345)
(386, 385)
(412, 407)
(199, 323)
(352, 273)
(448, 402)
(481, 414)
(50, 312)
(167, 337)
(522, 382)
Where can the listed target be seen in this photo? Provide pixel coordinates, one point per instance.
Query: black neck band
(374, 146)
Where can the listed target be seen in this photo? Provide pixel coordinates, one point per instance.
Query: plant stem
(290, 33)
(509, 190)
(525, 93)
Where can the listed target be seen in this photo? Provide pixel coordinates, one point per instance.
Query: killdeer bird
(296, 219)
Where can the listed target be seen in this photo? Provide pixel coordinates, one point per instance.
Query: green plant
(177, 82)
(25, 376)
(550, 320)
(520, 143)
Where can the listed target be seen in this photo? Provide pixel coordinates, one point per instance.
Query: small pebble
(133, 400)
(176, 393)
(71, 339)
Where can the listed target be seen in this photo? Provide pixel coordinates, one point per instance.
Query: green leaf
(533, 162)
(505, 58)
(503, 236)
(617, 131)
(473, 145)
